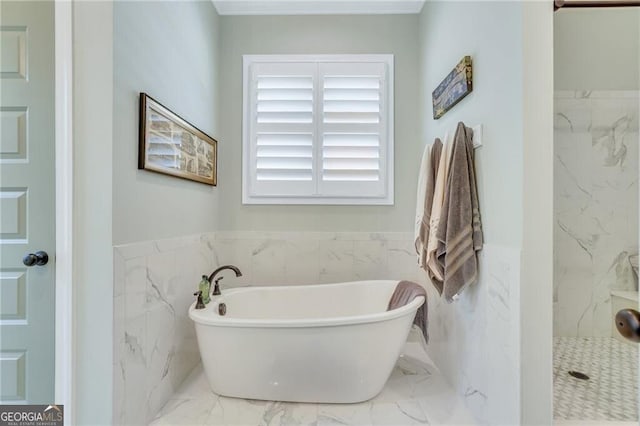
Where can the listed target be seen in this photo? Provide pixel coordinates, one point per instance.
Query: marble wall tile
(141, 249)
(611, 112)
(119, 274)
(175, 244)
(119, 353)
(596, 207)
(573, 115)
(289, 258)
(269, 261)
(155, 346)
(161, 335)
(238, 252)
(135, 287)
(302, 261)
(336, 260)
(475, 340)
(401, 261)
(160, 270)
(160, 347)
(154, 341)
(134, 370)
(503, 335)
(370, 259)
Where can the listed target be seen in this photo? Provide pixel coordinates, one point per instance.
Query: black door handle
(39, 258)
(628, 324)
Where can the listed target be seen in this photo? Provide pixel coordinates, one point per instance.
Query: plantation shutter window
(353, 127)
(282, 130)
(318, 130)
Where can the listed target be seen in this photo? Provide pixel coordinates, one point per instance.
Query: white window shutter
(318, 129)
(282, 129)
(354, 125)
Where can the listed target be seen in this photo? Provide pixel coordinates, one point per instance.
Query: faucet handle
(199, 303)
(216, 287)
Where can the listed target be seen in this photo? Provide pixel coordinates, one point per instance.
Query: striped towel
(436, 273)
(460, 232)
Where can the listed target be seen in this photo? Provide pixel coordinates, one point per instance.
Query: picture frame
(456, 85)
(170, 145)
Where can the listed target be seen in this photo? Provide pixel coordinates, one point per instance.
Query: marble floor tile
(397, 388)
(407, 412)
(195, 384)
(239, 412)
(609, 394)
(291, 414)
(347, 414)
(415, 394)
(440, 403)
(195, 411)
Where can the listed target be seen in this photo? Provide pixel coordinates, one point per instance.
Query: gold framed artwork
(170, 145)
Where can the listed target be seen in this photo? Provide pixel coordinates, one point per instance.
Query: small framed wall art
(455, 86)
(169, 144)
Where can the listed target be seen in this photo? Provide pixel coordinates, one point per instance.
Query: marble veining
(612, 142)
(155, 346)
(596, 206)
(415, 394)
(475, 341)
(154, 341)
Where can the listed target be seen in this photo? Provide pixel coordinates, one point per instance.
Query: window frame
(387, 172)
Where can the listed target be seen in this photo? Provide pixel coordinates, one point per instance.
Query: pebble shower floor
(611, 393)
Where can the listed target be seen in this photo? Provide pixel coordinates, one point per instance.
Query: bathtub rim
(209, 316)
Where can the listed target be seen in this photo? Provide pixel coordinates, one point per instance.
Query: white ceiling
(317, 7)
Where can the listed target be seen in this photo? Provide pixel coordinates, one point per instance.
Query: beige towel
(460, 232)
(421, 193)
(436, 272)
(404, 293)
(424, 198)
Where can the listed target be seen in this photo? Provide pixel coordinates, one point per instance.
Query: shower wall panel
(595, 206)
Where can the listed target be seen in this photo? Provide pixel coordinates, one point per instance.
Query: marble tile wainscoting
(155, 347)
(295, 258)
(154, 340)
(476, 334)
(475, 341)
(596, 207)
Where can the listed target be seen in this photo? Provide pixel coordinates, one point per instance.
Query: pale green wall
(496, 100)
(597, 49)
(92, 213)
(397, 35)
(510, 43)
(170, 50)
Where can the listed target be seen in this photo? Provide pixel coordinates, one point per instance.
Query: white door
(27, 196)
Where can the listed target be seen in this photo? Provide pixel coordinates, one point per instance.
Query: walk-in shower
(596, 219)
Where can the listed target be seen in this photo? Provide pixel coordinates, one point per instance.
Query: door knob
(38, 258)
(628, 324)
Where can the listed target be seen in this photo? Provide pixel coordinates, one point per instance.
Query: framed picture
(455, 86)
(169, 144)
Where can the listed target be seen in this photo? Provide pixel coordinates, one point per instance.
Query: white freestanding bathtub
(328, 343)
